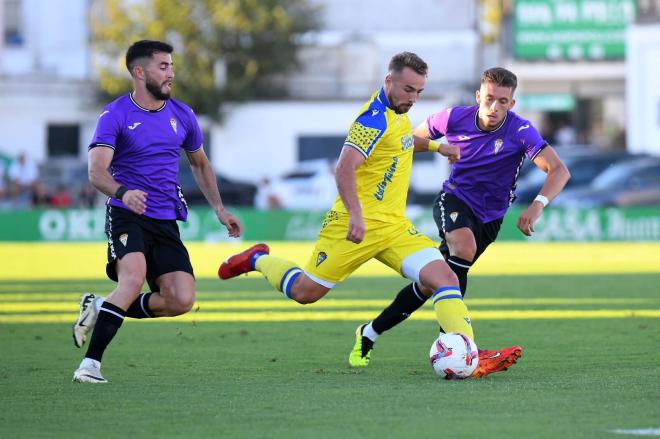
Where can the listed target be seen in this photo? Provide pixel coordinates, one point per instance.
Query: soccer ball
(454, 356)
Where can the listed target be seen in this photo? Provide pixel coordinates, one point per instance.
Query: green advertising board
(571, 29)
(546, 102)
(609, 224)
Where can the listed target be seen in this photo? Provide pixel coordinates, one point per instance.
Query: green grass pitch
(582, 374)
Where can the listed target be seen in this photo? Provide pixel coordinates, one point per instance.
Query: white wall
(28, 106)
(261, 139)
(397, 15)
(56, 35)
(643, 88)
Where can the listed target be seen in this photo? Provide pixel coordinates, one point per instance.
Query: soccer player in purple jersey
(134, 159)
(493, 142)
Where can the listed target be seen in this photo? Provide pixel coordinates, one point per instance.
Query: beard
(398, 109)
(156, 90)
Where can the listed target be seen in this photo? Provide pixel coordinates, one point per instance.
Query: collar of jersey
(476, 122)
(130, 95)
(382, 98)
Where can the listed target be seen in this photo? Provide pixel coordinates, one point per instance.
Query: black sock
(110, 319)
(461, 268)
(140, 308)
(405, 303)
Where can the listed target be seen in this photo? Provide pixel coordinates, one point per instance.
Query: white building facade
(47, 105)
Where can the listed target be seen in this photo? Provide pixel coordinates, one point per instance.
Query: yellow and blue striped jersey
(385, 139)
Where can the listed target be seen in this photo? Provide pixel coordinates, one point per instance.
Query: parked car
(234, 193)
(584, 165)
(310, 185)
(564, 151)
(628, 183)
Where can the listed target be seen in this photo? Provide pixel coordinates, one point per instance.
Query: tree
(223, 49)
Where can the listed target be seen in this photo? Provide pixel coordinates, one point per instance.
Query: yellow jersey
(385, 139)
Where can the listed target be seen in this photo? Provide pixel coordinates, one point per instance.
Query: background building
(570, 56)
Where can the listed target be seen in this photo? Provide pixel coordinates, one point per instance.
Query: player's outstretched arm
(100, 158)
(423, 143)
(205, 177)
(558, 176)
(349, 160)
(421, 138)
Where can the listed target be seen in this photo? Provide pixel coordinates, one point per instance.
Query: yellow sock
(279, 272)
(451, 312)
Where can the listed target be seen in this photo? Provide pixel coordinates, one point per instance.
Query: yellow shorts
(398, 245)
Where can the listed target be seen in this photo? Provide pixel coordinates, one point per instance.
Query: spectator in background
(88, 196)
(565, 134)
(40, 196)
(3, 184)
(61, 198)
(22, 175)
(267, 197)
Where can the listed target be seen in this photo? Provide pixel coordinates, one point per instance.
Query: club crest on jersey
(453, 216)
(406, 142)
(123, 238)
(320, 258)
(498, 145)
(173, 123)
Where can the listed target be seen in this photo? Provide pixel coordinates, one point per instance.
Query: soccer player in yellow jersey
(367, 219)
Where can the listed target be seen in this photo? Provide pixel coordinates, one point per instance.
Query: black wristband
(121, 190)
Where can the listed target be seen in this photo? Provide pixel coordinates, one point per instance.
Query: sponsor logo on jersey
(320, 258)
(461, 137)
(406, 142)
(413, 231)
(173, 123)
(123, 238)
(498, 145)
(524, 127)
(387, 178)
(453, 216)
(134, 125)
(374, 112)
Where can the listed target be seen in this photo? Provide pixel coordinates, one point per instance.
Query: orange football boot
(498, 360)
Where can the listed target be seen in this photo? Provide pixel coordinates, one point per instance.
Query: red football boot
(240, 263)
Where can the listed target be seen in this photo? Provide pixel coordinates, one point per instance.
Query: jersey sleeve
(366, 131)
(107, 130)
(530, 139)
(194, 140)
(437, 123)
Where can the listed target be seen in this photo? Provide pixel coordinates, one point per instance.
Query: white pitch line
(639, 431)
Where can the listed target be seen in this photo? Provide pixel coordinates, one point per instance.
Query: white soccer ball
(454, 356)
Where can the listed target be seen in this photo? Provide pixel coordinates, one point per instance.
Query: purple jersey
(147, 148)
(485, 176)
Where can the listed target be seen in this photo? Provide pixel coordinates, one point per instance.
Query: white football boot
(89, 372)
(86, 319)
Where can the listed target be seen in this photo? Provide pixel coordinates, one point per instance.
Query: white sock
(368, 331)
(88, 362)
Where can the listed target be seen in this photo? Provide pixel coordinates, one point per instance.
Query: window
(329, 147)
(320, 147)
(14, 33)
(63, 140)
